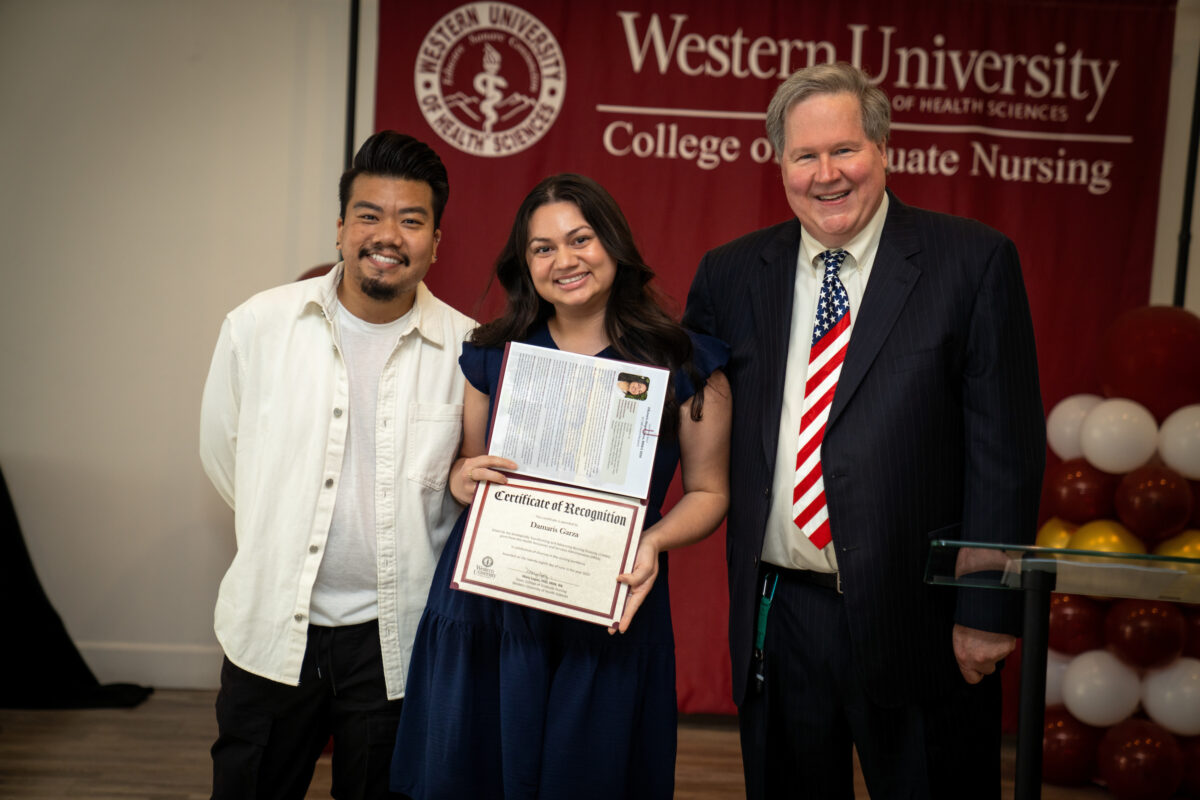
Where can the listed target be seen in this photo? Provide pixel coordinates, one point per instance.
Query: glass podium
(1038, 571)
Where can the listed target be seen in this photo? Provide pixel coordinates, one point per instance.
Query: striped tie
(831, 333)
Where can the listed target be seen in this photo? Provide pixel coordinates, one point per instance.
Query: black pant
(271, 734)
(799, 732)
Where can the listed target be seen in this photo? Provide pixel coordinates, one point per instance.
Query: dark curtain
(41, 667)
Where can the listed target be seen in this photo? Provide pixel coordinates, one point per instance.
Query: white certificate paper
(553, 547)
(579, 420)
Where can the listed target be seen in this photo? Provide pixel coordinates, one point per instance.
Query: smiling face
(569, 266)
(833, 175)
(388, 241)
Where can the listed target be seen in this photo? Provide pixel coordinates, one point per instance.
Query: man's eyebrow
(408, 210)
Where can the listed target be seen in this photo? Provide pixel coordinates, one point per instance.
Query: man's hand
(978, 652)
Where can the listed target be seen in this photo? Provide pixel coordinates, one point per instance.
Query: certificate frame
(555, 547)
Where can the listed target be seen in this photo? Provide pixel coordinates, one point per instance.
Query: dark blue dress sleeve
(473, 363)
(708, 356)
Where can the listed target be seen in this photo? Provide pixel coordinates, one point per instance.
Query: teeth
(570, 280)
(833, 196)
(385, 259)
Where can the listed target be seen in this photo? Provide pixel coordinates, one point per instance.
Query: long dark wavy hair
(634, 319)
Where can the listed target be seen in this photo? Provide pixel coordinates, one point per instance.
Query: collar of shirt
(425, 318)
(860, 251)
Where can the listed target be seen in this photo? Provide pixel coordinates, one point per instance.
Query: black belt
(826, 580)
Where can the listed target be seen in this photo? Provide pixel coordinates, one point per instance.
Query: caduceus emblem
(489, 85)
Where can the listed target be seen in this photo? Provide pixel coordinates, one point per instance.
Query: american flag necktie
(831, 333)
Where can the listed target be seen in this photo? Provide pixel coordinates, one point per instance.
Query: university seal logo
(490, 79)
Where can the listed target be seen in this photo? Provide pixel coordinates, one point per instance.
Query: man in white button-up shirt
(330, 418)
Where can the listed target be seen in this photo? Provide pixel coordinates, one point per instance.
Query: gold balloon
(1185, 545)
(1105, 536)
(1055, 532)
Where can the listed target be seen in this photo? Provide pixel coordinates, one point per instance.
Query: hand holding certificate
(583, 432)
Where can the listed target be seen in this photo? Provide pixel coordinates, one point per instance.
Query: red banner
(1042, 119)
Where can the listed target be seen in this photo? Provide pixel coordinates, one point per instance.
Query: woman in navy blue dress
(505, 701)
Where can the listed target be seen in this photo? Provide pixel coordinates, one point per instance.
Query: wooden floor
(160, 750)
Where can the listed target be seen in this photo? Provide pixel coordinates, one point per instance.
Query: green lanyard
(764, 606)
(760, 635)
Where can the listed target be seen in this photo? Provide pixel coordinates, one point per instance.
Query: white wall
(162, 160)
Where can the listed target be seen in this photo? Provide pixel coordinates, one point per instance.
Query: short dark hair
(398, 155)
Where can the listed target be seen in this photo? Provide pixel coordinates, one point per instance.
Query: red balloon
(1140, 760)
(1081, 493)
(1191, 621)
(1076, 624)
(1190, 747)
(1145, 633)
(1154, 502)
(1152, 355)
(1068, 749)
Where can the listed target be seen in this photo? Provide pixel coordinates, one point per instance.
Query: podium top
(1089, 572)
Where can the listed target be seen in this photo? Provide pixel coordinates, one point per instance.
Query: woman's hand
(470, 472)
(640, 580)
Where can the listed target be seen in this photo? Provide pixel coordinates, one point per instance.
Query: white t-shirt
(346, 591)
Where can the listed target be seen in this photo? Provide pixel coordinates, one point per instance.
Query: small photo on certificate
(550, 546)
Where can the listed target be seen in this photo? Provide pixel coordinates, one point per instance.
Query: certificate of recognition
(550, 546)
(583, 432)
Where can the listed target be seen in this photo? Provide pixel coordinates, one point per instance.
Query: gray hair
(829, 79)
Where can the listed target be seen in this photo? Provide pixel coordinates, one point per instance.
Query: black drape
(41, 667)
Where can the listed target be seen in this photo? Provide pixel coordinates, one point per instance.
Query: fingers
(488, 468)
(470, 472)
(974, 671)
(970, 675)
(631, 607)
(636, 578)
(640, 581)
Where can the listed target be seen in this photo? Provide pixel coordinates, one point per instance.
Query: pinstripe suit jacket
(936, 431)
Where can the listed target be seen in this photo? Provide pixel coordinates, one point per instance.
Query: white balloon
(1056, 667)
(1099, 689)
(1179, 441)
(1118, 436)
(1064, 421)
(1171, 696)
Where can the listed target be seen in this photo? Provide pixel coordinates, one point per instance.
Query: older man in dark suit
(886, 382)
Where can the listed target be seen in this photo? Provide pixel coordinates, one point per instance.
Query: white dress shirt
(784, 544)
(273, 433)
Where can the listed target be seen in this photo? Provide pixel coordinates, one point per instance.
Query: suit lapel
(893, 276)
(771, 298)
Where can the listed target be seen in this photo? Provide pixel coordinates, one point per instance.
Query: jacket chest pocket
(434, 431)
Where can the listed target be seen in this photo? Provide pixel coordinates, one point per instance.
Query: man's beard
(376, 289)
